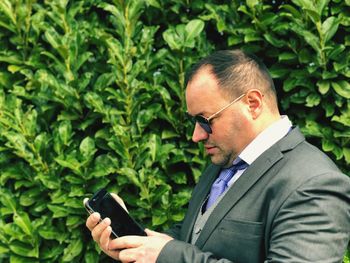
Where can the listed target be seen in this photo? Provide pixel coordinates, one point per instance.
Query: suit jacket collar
(253, 173)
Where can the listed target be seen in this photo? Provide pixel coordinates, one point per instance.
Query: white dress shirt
(261, 143)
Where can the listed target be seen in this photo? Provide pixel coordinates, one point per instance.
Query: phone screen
(121, 222)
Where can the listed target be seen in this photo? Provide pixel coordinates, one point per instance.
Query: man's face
(230, 129)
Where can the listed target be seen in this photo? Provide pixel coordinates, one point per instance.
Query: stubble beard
(221, 159)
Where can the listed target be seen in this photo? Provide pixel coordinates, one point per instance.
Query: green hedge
(92, 95)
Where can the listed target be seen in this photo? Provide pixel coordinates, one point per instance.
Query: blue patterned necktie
(220, 184)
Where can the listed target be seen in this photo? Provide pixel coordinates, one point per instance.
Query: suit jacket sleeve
(179, 251)
(313, 224)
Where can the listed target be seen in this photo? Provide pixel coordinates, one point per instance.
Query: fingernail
(107, 221)
(96, 216)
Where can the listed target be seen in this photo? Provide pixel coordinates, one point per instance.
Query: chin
(219, 161)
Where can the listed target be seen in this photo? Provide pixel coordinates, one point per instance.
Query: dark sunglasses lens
(203, 123)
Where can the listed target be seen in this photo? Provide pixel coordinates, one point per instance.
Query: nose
(199, 134)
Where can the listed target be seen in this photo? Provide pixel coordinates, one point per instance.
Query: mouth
(210, 149)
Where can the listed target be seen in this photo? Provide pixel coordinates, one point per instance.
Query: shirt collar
(265, 140)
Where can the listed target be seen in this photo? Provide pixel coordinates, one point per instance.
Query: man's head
(240, 86)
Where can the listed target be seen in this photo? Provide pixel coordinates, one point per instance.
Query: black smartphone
(121, 222)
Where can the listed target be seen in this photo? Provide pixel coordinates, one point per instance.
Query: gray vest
(202, 218)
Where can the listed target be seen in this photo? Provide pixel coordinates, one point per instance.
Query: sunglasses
(205, 122)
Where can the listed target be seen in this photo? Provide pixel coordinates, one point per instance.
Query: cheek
(236, 132)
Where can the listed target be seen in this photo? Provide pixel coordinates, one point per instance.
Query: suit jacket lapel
(246, 181)
(199, 194)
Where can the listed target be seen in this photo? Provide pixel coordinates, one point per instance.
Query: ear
(254, 100)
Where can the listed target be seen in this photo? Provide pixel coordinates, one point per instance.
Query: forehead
(203, 93)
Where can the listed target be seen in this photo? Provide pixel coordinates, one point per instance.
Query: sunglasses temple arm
(224, 108)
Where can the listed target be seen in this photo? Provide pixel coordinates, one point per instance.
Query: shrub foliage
(92, 95)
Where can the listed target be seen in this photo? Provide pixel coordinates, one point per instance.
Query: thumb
(150, 232)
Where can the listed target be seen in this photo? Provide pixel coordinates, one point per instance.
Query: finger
(98, 229)
(126, 242)
(150, 232)
(105, 237)
(93, 220)
(131, 254)
(120, 201)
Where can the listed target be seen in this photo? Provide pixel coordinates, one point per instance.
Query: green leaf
(154, 3)
(131, 174)
(6, 7)
(253, 37)
(327, 145)
(182, 198)
(91, 256)
(329, 108)
(95, 102)
(234, 40)
(58, 210)
(179, 177)
(278, 72)
(74, 221)
(313, 100)
(323, 86)
(342, 87)
(309, 37)
(172, 39)
(312, 128)
(70, 162)
(346, 152)
(285, 56)
(158, 218)
(4, 249)
(321, 4)
(23, 249)
(314, 16)
(289, 84)
(65, 132)
(73, 249)
(193, 29)
(87, 147)
(343, 118)
(55, 41)
(19, 259)
(51, 251)
(22, 220)
(252, 3)
(8, 200)
(48, 232)
(48, 181)
(293, 11)
(329, 28)
(104, 165)
(153, 145)
(338, 152)
(304, 4)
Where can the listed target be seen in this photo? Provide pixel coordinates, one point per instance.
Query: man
(268, 195)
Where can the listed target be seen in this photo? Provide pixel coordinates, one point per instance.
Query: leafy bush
(92, 95)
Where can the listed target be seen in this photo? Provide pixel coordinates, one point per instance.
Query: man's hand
(101, 233)
(127, 248)
(139, 249)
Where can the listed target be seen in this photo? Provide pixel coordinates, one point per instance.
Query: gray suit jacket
(292, 204)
